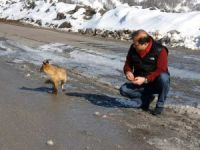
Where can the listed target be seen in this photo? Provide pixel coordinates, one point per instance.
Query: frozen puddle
(104, 67)
(185, 74)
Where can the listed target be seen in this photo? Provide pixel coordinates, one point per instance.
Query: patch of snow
(120, 18)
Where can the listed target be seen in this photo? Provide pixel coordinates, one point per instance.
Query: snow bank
(123, 17)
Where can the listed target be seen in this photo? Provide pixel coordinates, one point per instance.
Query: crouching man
(146, 68)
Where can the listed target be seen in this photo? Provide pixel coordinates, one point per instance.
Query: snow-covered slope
(182, 28)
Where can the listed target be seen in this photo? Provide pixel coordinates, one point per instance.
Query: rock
(163, 125)
(152, 8)
(81, 31)
(188, 127)
(127, 34)
(74, 10)
(60, 16)
(65, 25)
(53, 4)
(165, 40)
(31, 20)
(39, 22)
(105, 33)
(104, 116)
(102, 12)
(55, 26)
(47, 10)
(50, 142)
(97, 113)
(89, 31)
(173, 32)
(30, 4)
(97, 32)
(28, 75)
(89, 12)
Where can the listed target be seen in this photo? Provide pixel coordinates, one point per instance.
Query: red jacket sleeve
(162, 65)
(128, 66)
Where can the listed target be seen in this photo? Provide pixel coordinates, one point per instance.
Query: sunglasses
(141, 41)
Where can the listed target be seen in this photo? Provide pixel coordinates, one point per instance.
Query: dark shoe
(146, 105)
(157, 111)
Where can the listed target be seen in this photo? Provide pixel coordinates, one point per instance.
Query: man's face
(137, 45)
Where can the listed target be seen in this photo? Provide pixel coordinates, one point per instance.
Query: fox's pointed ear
(47, 61)
(44, 63)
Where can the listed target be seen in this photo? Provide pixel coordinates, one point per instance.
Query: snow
(119, 18)
(63, 7)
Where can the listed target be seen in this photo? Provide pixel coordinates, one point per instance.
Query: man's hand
(139, 80)
(130, 76)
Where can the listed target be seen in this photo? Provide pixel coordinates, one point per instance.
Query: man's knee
(123, 90)
(164, 78)
(130, 90)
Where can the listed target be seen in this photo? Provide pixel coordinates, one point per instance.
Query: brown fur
(58, 75)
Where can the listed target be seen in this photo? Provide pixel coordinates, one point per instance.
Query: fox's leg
(55, 87)
(49, 81)
(63, 82)
(62, 85)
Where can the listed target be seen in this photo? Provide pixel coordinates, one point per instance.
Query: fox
(58, 76)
